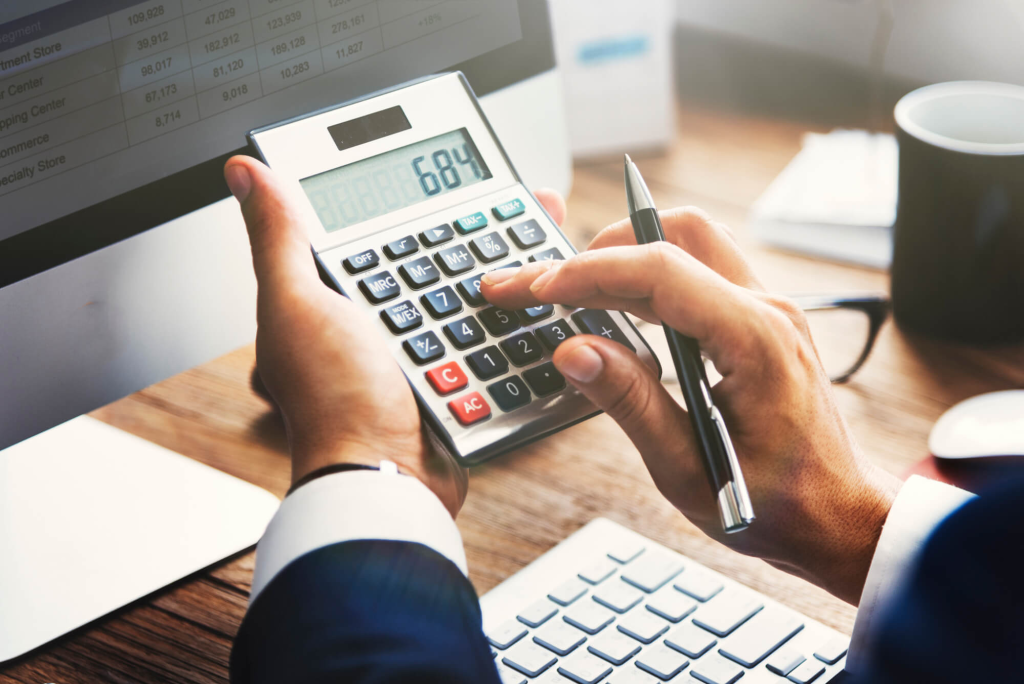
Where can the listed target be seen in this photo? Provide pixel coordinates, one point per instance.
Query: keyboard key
(419, 273)
(437, 235)
(511, 264)
(509, 676)
(671, 605)
(651, 572)
(441, 303)
(760, 636)
(487, 363)
(536, 313)
(509, 210)
(424, 348)
(465, 333)
(529, 658)
(544, 379)
(806, 672)
(469, 288)
(661, 661)
(447, 378)
(548, 255)
(589, 616)
(468, 224)
(506, 635)
(527, 234)
(401, 248)
(559, 637)
(785, 660)
(716, 670)
(523, 349)
(618, 596)
(832, 650)
(401, 318)
(614, 647)
(699, 585)
(584, 668)
(642, 626)
(455, 260)
(551, 676)
(690, 639)
(537, 614)
(364, 261)
(489, 248)
(470, 409)
(510, 393)
(554, 334)
(626, 551)
(379, 288)
(632, 675)
(499, 322)
(568, 591)
(598, 572)
(727, 612)
(597, 322)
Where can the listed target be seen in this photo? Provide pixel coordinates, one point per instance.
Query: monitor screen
(117, 115)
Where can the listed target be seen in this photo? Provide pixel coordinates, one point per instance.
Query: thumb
(619, 383)
(276, 220)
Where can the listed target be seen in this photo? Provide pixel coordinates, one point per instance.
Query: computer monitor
(122, 258)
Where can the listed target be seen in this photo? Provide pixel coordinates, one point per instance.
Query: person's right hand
(820, 504)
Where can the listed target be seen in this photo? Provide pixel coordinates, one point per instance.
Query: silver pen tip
(628, 160)
(637, 194)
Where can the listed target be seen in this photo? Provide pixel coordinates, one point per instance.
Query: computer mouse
(986, 426)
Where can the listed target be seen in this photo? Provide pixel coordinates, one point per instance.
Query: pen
(720, 462)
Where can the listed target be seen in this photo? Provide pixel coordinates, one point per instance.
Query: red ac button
(470, 408)
(447, 378)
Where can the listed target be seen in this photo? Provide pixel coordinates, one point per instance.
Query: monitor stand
(92, 518)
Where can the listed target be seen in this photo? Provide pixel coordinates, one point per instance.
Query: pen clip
(733, 498)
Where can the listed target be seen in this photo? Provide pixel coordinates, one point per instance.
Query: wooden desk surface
(523, 504)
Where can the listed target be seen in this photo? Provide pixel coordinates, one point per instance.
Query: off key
(469, 409)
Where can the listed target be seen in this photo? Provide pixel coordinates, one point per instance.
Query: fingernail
(582, 365)
(239, 181)
(499, 276)
(544, 277)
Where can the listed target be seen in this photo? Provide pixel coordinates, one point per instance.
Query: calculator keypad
(472, 362)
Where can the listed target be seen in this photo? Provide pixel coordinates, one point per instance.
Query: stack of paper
(836, 199)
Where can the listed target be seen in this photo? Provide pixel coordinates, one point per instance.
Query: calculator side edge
(515, 174)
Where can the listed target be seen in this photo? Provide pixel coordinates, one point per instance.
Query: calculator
(417, 200)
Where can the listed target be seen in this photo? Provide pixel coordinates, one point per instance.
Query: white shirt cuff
(920, 507)
(350, 506)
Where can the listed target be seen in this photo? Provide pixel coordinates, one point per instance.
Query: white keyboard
(608, 605)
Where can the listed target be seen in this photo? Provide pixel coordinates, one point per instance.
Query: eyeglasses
(844, 329)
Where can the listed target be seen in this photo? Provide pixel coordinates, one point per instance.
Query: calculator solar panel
(406, 224)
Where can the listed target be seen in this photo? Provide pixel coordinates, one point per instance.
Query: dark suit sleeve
(960, 617)
(365, 612)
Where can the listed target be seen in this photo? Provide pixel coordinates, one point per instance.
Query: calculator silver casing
(302, 147)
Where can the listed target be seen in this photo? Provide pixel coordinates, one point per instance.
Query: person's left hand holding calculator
(341, 393)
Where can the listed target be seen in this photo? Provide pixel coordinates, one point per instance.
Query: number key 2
(522, 349)
(487, 363)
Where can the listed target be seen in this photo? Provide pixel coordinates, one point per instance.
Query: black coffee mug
(958, 253)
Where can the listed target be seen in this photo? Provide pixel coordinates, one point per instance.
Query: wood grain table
(523, 504)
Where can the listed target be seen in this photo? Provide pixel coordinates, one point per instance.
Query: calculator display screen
(394, 180)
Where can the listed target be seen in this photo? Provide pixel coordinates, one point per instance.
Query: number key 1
(487, 363)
